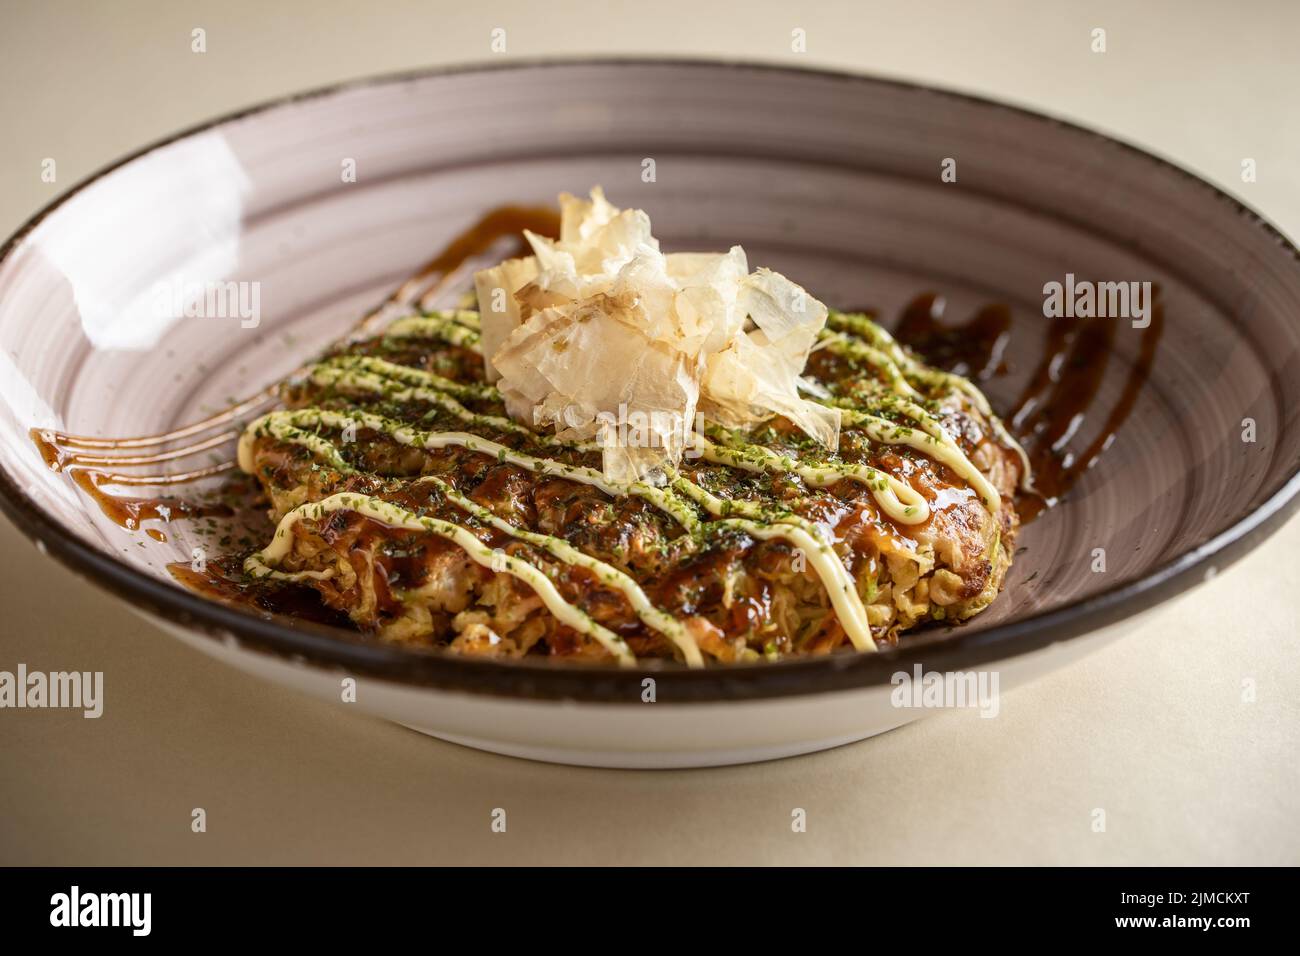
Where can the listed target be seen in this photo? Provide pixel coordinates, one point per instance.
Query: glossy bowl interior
(833, 180)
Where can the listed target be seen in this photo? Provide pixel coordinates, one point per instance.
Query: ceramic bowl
(838, 181)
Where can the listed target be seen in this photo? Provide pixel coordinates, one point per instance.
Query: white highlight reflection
(179, 207)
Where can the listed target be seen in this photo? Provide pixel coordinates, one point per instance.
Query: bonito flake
(602, 337)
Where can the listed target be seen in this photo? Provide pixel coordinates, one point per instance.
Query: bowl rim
(336, 649)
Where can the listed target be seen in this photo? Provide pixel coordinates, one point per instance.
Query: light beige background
(1153, 730)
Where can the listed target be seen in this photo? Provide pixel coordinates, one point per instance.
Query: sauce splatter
(129, 512)
(1056, 405)
(972, 350)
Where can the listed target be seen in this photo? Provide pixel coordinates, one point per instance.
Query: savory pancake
(407, 498)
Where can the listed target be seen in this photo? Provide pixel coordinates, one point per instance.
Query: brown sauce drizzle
(1056, 403)
(507, 221)
(223, 580)
(972, 350)
(128, 512)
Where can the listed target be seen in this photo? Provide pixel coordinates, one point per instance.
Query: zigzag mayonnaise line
(262, 563)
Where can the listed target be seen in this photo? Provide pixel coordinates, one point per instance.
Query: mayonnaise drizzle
(842, 344)
(897, 498)
(808, 538)
(863, 327)
(378, 376)
(377, 384)
(940, 447)
(890, 492)
(650, 615)
(289, 425)
(405, 374)
(445, 326)
(261, 564)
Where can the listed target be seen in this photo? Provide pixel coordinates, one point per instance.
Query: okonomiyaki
(622, 454)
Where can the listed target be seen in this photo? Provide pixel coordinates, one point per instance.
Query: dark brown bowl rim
(340, 651)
